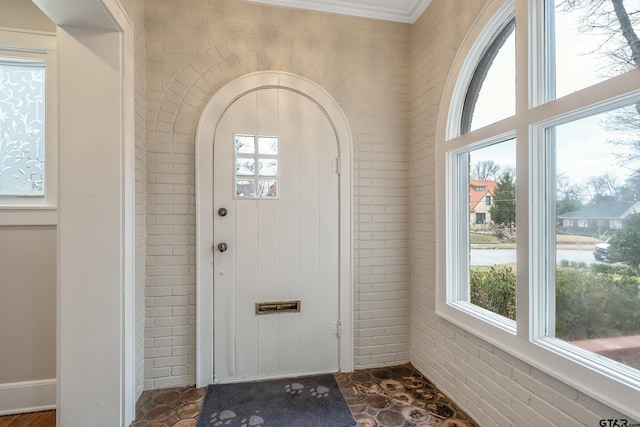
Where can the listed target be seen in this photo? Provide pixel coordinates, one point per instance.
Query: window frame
(535, 112)
(36, 210)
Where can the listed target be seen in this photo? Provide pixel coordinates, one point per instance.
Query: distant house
(597, 218)
(480, 200)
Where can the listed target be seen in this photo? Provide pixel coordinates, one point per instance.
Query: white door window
(256, 160)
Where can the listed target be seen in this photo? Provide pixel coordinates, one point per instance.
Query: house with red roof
(480, 201)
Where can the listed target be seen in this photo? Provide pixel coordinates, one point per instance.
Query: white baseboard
(27, 396)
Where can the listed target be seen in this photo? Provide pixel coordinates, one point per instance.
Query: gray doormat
(314, 401)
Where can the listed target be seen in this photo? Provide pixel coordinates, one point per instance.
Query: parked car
(601, 251)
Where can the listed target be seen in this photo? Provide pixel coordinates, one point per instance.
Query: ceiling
(391, 10)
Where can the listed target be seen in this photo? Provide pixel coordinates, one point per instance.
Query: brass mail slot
(278, 307)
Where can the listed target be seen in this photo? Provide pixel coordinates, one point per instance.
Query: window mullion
(523, 68)
(539, 240)
(540, 53)
(457, 167)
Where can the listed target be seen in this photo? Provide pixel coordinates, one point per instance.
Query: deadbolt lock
(222, 247)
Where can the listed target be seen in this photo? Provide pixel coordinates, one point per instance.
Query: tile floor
(397, 396)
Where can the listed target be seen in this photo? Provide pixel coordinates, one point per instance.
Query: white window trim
(30, 210)
(591, 374)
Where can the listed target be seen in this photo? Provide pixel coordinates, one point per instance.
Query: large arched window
(543, 120)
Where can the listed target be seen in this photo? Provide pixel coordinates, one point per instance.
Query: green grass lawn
(486, 239)
(583, 242)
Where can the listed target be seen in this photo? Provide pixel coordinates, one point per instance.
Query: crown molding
(407, 11)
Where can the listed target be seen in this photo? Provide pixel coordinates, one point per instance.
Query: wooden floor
(34, 419)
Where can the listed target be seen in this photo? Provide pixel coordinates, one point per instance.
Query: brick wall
(494, 387)
(193, 48)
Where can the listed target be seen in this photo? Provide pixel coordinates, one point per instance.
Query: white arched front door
(273, 254)
(276, 272)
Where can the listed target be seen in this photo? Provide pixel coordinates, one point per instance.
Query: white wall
(24, 15)
(28, 303)
(27, 318)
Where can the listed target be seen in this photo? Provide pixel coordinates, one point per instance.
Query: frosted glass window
(22, 129)
(256, 171)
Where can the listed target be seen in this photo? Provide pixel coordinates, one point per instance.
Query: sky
(582, 147)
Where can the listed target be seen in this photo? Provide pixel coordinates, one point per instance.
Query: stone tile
(397, 396)
(178, 406)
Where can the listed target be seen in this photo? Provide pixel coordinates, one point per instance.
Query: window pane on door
(245, 166)
(268, 167)
(245, 144)
(268, 188)
(268, 145)
(256, 171)
(597, 242)
(245, 188)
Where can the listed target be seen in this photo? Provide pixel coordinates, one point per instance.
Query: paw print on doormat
(320, 392)
(293, 389)
(222, 418)
(253, 421)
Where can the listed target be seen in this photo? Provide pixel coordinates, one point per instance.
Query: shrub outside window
(553, 276)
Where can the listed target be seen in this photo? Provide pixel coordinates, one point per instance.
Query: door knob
(222, 212)
(222, 247)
